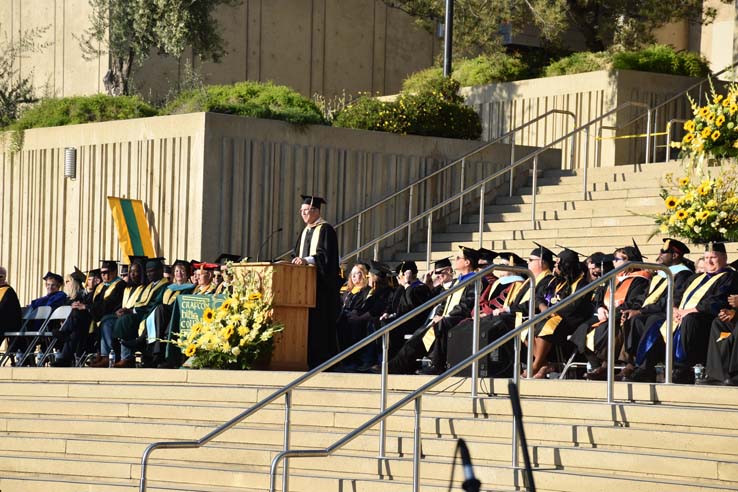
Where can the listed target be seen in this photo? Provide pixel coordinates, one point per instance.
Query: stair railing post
(383, 396)
(648, 136)
(585, 164)
(358, 230)
(428, 242)
(416, 446)
(286, 444)
(535, 191)
(376, 251)
(481, 216)
(668, 142)
(475, 339)
(572, 152)
(461, 199)
(409, 218)
(531, 341)
(512, 161)
(655, 137)
(611, 343)
(669, 356)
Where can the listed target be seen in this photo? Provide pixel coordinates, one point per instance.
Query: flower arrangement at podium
(237, 334)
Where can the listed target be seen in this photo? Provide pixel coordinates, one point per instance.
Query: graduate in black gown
(318, 246)
(10, 309)
(722, 349)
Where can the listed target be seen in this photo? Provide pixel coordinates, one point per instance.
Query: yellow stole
(149, 292)
(692, 296)
(313, 250)
(170, 296)
(131, 295)
(656, 289)
(109, 290)
(3, 290)
(554, 321)
(526, 296)
(206, 289)
(452, 301)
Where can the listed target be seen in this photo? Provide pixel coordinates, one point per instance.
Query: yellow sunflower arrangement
(701, 208)
(713, 132)
(236, 334)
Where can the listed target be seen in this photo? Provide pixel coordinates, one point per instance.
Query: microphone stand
(269, 237)
(517, 410)
(470, 484)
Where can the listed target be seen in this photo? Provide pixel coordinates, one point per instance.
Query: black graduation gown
(349, 331)
(407, 299)
(10, 310)
(557, 328)
(322, 339)
(722, 350)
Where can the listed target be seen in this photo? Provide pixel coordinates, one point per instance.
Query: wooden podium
(293, 294)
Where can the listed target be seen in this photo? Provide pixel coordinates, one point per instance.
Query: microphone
(471, 484)
(269, 237)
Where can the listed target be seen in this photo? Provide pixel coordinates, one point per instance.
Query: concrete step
(549, 231)
(636, 197)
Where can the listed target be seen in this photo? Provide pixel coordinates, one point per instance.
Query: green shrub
(662, 59)
(581, 62)
(82, 109)
(436, 111)
(422, 80)
(489, 69)
(254, 99)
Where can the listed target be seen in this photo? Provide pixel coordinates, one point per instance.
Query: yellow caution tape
(642, 135)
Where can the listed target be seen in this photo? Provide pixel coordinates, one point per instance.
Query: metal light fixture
(70, 163)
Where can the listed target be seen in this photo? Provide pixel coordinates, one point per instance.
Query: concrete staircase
(618, 203)
(71, 430)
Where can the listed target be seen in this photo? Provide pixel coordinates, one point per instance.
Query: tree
(603, 23)
(16, 90)
(129, 31)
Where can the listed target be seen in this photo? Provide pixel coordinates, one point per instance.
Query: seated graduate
(568, 278)
(129, 327)
(375, 304)
(410, 294)
(653, 312)
(10, 309)
(73, 332)
(630, 291)
(515, 306)
(722, 351)
(502, 283)
(431, 339)
(158, 322)
(356, 291)
(225, 281)
(55, 296)
(131, 293)
(440, 278)
(205, 284)
(106, 300)
(704, 297)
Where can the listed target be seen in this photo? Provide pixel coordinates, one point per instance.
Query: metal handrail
(461, 160)
(287, 390)
(416, 395)
(374, 243)
(668, 135)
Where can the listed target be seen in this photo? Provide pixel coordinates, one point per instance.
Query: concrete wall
(211, 184)
(314, 46)
(506, 106)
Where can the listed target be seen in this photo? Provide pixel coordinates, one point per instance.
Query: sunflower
(689, 125)
(715, 135)
(681, 214)
(684, 181)
(254, 296)
(704, 188)
(226, 306)
(208, 315)
(703, 215)
(688, 137)
(733, 108)
(720, 120)
(706, 132)
(190, 350)
(670, 202)
(703, 112)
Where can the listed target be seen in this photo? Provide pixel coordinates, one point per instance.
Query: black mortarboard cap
(109, 264)
(600, 258)
(95, 272)
(78, 275)
(313, 201)
(138, 259)
(379, 268)
(638, 255)
(568, 255)
(715, 247)
(123, 269)
(543, 253)
(155, 262)
(487, 255)
(186, 264)
(675, 246)
(470, 254)
(54, 276)
(405, 266)
(564, 248)
(226, 257)
(512, 259)
(733, 265)
(441, 264)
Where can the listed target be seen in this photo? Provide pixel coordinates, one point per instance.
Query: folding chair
(60, 314)
(40, 313)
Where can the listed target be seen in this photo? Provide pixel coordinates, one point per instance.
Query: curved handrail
(480, 185)
(448, 166)
(417, 394)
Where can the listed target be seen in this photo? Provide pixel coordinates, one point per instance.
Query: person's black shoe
(643, 375)
(731, 381)
(709, 382)
(430, 370)
(62, 363)
(683, 375)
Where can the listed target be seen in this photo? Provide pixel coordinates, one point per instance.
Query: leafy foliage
(83, 109)
(254, 99)
(481, 70)
(131, 30)
(435, 110)
(662, 59)
(585, 61)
